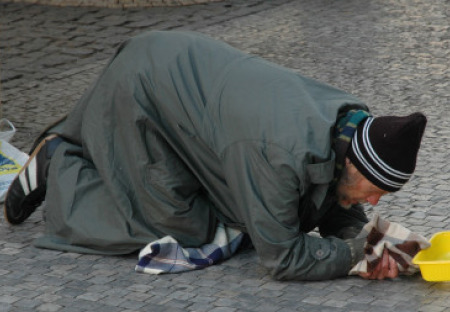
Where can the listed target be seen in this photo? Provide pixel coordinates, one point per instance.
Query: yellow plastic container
(434, 262)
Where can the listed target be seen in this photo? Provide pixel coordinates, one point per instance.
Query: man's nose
(373, 199)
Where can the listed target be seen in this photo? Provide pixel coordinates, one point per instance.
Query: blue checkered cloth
(167, 256)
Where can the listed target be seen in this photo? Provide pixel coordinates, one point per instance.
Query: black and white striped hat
(384, 149)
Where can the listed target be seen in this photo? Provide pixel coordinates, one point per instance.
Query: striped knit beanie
(384, 149)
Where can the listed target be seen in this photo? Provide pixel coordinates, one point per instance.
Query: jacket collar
(324, 176)
(343, 133)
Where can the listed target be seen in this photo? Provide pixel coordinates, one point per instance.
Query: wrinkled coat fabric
(180, 131)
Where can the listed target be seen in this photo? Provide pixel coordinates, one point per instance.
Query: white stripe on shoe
(28, 175)
(24, 183)
(32, 174)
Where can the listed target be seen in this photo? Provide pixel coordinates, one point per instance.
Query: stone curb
(116, 3)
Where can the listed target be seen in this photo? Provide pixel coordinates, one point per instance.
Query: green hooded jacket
(180, 131)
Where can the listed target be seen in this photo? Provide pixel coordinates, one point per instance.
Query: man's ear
(348, 162)
(350, 166)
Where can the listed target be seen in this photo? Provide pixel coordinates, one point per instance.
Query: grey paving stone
(129, 304)
(223, 309)
(6, 307)
(27, 303)
(49, 307)
(8, 299)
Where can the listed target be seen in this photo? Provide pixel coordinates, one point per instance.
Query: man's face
(354, 188)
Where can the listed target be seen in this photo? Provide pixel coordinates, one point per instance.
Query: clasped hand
(386, 268)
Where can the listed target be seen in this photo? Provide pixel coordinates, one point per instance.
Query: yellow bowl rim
(419, 262)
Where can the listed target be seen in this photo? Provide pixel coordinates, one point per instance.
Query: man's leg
(81, 215)
(87, 214)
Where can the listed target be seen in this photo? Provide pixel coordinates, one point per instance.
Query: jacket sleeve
(267, 191)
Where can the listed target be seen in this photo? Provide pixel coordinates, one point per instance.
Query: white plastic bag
(7, 130)
(11, 158)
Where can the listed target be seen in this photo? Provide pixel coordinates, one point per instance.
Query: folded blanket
(401, 243)
(167, 256)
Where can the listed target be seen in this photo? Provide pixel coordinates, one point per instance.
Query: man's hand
(386, 268)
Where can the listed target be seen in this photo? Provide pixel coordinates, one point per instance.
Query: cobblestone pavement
(394, 54)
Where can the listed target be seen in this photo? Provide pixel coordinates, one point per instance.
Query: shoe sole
(24, 168)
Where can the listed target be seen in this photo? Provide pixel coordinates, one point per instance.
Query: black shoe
(27, 191)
